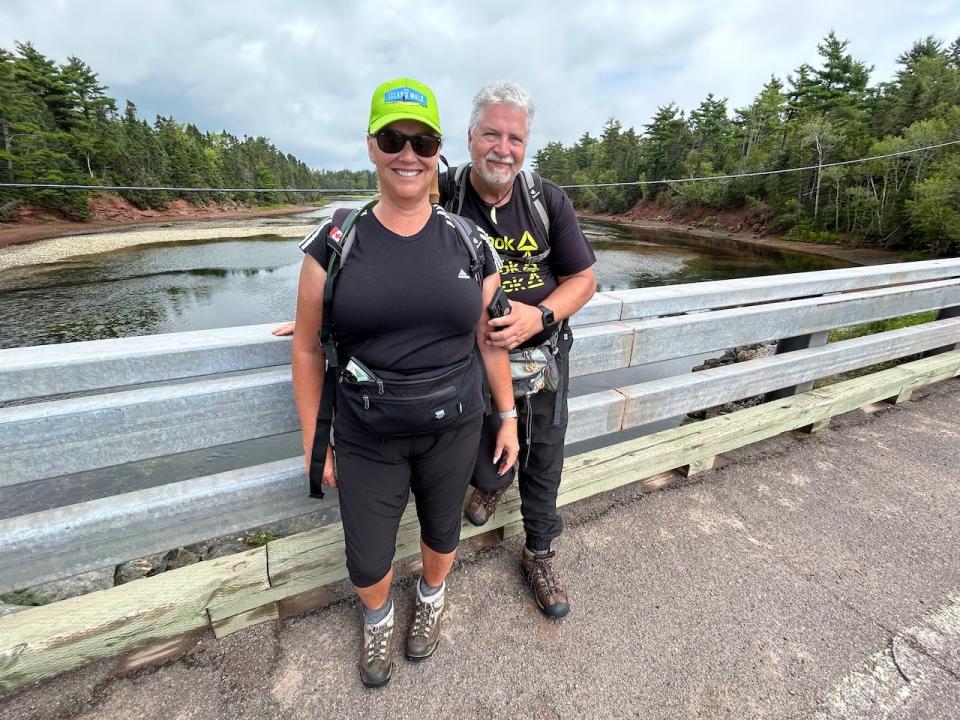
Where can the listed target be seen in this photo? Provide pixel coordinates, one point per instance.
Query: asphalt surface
(813, 577)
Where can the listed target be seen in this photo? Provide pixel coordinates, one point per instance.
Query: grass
(855, 331)
(824, 237)
(259, 539)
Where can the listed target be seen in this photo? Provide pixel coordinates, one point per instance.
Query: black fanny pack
(395, 404)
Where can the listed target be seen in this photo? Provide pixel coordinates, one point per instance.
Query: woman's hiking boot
(483, 503)
(424, 633)
(546, 583)
(376, 660)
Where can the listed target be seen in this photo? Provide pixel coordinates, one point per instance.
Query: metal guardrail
(155, 396)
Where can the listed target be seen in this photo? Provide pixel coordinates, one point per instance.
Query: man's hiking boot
(424, 633)
(482, 505)
(546, 583)
(376, 660)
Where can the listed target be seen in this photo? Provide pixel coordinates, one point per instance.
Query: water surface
(231, 282)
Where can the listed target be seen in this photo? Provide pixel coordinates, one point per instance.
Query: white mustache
(505, 159)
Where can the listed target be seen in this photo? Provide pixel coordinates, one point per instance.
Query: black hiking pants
(540, 462)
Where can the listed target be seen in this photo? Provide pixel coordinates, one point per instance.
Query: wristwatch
(548, 319)
(507, 414)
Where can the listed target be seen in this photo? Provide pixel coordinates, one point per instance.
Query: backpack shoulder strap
(533, 197)
(340, 237)
(472, 238)
(456, 182)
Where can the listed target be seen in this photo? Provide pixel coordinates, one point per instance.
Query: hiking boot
(482, 505)
(376, 660)
(546, 583)
(424, 633)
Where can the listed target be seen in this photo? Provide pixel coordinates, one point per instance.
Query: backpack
(456, 180)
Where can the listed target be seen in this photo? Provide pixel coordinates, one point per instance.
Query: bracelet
(507, 414)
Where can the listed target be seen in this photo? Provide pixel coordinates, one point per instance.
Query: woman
(407, 321)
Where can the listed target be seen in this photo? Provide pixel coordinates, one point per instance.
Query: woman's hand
(329, 477)
(508, 445)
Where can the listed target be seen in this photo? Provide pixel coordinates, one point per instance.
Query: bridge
(92, 407)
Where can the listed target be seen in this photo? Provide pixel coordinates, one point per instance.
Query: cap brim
(385, 120)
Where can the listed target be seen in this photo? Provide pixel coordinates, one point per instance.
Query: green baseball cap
(403, 99)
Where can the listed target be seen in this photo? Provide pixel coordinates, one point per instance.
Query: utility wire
(766, 172)
(184, 189)
(760, 173)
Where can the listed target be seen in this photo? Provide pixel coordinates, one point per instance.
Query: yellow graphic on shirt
(516, 274)
(527, 244)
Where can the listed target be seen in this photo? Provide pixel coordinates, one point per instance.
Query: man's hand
(284, 330)
(509, 331)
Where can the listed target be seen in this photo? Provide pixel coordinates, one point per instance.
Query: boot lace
(377, 642)
(489, 499)
(547, 577)
(423, 619)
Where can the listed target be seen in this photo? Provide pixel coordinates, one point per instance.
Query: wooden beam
(51, 639)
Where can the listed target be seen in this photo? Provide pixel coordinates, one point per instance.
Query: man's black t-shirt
(519, 242)
(406, 304)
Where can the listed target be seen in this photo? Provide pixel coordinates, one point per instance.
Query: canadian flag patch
(335, 233)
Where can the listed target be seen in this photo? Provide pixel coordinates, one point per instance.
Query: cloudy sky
(301, 73)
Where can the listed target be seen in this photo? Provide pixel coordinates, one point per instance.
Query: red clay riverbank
(107, 212)
(720, 235)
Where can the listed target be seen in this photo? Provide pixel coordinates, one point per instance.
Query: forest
(819, 115)
(58, 126)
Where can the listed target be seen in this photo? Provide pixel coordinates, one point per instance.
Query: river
(230, 282)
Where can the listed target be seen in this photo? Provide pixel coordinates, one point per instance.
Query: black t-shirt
(518, 241)
(406, 304)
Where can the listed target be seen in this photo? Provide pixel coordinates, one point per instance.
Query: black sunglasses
(392, 142)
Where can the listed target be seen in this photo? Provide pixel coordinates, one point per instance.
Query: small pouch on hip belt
(393, 404)
(535, 369)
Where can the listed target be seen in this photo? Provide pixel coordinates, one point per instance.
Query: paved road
(812, 578)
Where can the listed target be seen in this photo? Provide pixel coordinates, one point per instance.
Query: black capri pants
(375, 476)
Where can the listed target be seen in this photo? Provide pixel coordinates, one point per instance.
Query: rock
(82, 584)
(139, 568)
(181, 557)
(221, 549)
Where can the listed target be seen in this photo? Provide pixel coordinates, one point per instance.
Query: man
(547, 274)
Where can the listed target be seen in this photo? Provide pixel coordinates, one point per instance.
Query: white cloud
(301, 72)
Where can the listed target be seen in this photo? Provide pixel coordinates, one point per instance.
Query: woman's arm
(497, 363)
(307, 357)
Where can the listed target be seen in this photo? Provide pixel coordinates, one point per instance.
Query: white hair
(505, 92)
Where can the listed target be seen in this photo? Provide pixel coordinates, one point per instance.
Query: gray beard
(492, 179)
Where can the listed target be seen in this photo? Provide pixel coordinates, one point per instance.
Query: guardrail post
(800, 342)
(943, 314)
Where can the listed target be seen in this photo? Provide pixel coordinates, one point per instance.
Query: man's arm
(525, 321)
